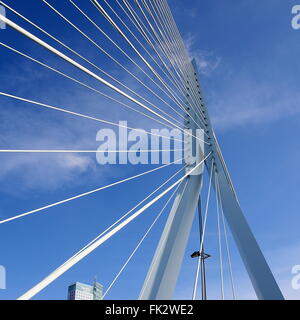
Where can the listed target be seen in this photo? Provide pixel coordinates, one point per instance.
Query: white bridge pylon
(165, 75)
(162, 276)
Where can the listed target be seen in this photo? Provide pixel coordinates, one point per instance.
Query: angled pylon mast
(164, 270)
(165, 267)
(179, 90)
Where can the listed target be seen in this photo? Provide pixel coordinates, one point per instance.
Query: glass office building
(81, 291)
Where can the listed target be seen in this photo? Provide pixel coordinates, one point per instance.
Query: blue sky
(248, 55)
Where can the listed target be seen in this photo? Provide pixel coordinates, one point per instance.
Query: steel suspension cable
(171, 74)
(76, 53)
(139, 25)
(128, 212)
(99, 47)
(219, 239)
(156, 257)
(105, 34)
(176, 39)
(63, 268)
(84, 69)
(83, 84)
(141, 241)
(140, 28)
(226, 242)
(162, 47)
(165, 40)
(176, 35)
(84, 194)
(85, 59)
(84, 116)
(162, 42)
(167, 73)
(111, 57)
(173, 94)
(203, 232)
(159, 40)
(180, 85)
(80, 151)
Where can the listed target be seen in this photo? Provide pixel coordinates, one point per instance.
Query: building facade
(81, 291)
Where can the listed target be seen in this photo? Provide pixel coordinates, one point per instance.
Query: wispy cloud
(242, 102)
(207, 61)
(24, 126)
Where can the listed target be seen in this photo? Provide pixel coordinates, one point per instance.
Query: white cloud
(75, 161)
(242, 102)
(207, 61)
(24, 126)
